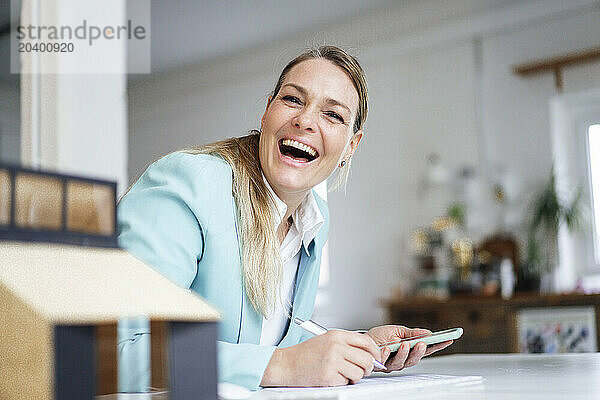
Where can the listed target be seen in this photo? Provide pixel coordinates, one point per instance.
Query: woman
(238, 222)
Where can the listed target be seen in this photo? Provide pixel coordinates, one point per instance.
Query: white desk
(508, 376)
(521, 376)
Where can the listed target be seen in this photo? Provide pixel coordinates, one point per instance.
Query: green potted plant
(548, 212)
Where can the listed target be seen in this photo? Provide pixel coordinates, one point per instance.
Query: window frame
(595, 236)
(571, 115)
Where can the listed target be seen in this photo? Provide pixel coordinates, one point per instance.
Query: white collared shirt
(306, 222)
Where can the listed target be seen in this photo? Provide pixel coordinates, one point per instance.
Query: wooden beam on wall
(550, 64)
(556, 64)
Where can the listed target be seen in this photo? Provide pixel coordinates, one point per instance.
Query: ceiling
(184, 32)
(189, 31)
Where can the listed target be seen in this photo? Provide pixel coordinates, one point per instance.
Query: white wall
(82, 116)
(160, 123)
(417, 108)
(427, 88)
(516, 114)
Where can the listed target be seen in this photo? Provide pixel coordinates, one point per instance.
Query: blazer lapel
(251, 322)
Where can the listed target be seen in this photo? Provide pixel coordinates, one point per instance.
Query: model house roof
(74, 285)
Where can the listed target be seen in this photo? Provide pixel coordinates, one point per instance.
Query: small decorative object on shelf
(42, 206)
(450, 263)
(430, 253)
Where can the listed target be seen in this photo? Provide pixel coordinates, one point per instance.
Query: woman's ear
(353, 145)
(262, 120)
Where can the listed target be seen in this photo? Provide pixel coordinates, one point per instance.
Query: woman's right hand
(334, 358)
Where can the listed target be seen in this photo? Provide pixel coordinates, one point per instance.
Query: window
(593, 141)
(575, 121)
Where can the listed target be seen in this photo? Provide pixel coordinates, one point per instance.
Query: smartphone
(429, 339)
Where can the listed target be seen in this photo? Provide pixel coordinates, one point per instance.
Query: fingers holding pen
(367, 343)
(333, 358)
(360, 358)
(353, 372)
(358, 350)
(343, 362)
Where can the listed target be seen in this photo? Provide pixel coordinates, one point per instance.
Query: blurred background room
(473, 198)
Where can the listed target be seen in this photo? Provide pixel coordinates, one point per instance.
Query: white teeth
(301, 146)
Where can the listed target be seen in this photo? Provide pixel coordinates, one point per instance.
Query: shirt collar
(307, 218)
(279, 204)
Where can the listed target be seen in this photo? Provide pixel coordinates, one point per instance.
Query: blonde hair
(262, 267)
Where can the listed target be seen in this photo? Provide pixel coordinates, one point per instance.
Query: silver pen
(316, 329)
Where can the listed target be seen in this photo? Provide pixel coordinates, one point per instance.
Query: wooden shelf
(489, 322)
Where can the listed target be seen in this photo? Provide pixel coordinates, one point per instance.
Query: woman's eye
(291, 99)
(335, 115)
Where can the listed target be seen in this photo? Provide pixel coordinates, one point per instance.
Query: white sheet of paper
(372, 385)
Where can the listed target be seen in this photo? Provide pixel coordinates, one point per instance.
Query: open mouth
(297, 151)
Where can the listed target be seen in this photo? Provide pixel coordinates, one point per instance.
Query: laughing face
(307, 128)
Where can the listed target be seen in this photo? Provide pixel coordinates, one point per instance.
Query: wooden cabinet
(489, 323)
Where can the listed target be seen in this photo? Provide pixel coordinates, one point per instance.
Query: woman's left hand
(405, 357)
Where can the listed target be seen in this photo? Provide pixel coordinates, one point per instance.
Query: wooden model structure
(53, 296)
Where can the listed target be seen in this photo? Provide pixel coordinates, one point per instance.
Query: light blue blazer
(180, 218)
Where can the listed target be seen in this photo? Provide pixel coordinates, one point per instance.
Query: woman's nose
(305, 121)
